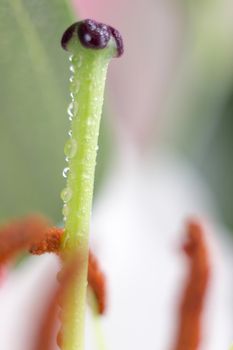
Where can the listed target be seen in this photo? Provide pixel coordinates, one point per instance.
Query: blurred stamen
(191, 307)
(19, 235)
(97, 282)
(34, 235)
(96, 279)
(50, 242)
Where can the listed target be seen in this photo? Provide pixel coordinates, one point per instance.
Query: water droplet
(74, 59)
(65, 210)
(70, 148)
(90, 121)
(83, 211)
(80, 234)
(66, 194)
(88, 158)
(65, 172)
(86, 176)
(71, 58)
(77, 86)
(70, 111)
(97, 148)
(71, 78)
(72, 68)
(70, 133)
(75, 107)
(88, 138)
(74, 86)
(92, 132)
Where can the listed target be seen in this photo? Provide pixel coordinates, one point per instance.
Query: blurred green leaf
(200, 110)
(217, 163)
(33, 100)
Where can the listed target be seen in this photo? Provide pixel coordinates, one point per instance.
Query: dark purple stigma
(68, 35)
(119, 42)
(93, 35)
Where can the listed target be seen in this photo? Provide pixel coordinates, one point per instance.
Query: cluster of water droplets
(71, 145)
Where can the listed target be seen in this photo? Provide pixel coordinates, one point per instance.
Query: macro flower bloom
(147, 196)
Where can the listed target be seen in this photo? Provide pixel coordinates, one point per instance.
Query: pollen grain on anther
(49, 243)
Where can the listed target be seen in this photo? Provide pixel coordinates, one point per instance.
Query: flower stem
(96, 322)
(91, 45)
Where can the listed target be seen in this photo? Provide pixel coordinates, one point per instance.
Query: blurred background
(165, 153)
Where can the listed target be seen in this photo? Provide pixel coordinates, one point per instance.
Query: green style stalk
(91, 45)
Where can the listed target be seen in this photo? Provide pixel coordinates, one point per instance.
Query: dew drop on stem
(65, 212)
(70, 111)
(70, 148)
(66, 194)
(72, 69)
(65, 172)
